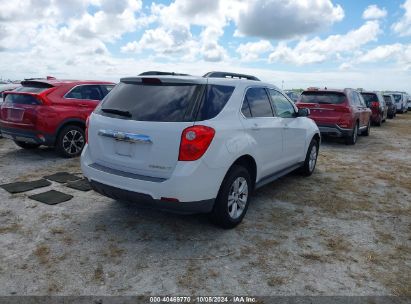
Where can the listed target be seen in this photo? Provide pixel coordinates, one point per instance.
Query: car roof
(200, 80)
(327, 90)
(59, 82)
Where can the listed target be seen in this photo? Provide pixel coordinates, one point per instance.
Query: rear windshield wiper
(117, 112)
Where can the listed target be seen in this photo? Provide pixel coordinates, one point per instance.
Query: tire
(25, 145)
(310, 161)
(352, 139)
(367, 131)
(70, 141)
(228, 215)
(379, 122)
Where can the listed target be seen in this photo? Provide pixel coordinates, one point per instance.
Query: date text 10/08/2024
(235, 299)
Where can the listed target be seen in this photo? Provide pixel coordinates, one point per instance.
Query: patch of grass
(190, 279)
(312, 257)
(114, 251)
(98, 276)
(276, 281)
(68, 240)
(11, 228)
(338, 244)
(54, 287)
(42, 253)
(57, 230)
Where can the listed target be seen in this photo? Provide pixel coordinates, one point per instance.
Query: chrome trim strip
(128, 137)
(126, 174)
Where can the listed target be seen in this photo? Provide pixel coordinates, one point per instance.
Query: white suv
(196, 144)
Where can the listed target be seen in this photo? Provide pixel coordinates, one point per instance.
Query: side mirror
(303, 112)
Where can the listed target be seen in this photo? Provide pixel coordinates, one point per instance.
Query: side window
(91, 92)
(258, 102)
(362, 102)
(282, 106)
(355, 99)
(246, 108)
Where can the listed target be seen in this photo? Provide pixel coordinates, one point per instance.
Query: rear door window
(322, 97)
(215, 98)
(89, 92)
(258, 102)
(162, 102)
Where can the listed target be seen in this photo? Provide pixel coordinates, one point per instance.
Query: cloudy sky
(334, 43)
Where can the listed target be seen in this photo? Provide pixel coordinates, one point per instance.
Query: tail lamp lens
(195, 142)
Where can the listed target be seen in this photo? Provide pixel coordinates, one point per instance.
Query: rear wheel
(366, 132)
(70, 141)
(233, 198)
(310, 159)
(26, 145)
(352, 139)
(379, 122)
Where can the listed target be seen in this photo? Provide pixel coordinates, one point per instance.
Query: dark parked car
(375, 101)
(390, 102)
(51, 112)
(339, 113)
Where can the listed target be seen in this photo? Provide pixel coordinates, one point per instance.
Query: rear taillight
(87, 124)
(374, 104)
(195, 142)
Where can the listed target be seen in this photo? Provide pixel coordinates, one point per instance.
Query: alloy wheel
(237, 197)
(73, 142)
(313, 158)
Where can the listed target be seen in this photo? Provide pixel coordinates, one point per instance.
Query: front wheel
(70, 141)
(233, 198)
(25, 145)
(310, 159)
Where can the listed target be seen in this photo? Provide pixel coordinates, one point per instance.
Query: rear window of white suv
(166, 102)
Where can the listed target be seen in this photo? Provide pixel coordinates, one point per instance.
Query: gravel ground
(346, 230)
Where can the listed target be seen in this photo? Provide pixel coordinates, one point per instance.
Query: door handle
(83, 105)
(255, 127)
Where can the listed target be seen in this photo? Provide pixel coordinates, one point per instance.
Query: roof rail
(159, 73)
(230, 75)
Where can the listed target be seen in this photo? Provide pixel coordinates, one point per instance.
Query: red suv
(51, 112)
(340, 113)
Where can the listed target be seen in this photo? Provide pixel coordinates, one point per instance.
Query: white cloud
(403, 26)
(374, 12)
(398, 53)
(381, 53)
(253, 50)
(318, 50)
(162, 41)
(283, 19)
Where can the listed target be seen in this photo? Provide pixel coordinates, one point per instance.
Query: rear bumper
(193, 184)
(146, 200)
(375, 118)
(34, 137)
(334, 130)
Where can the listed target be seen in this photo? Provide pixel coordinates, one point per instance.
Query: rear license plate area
(15, 114)
(124, 148)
